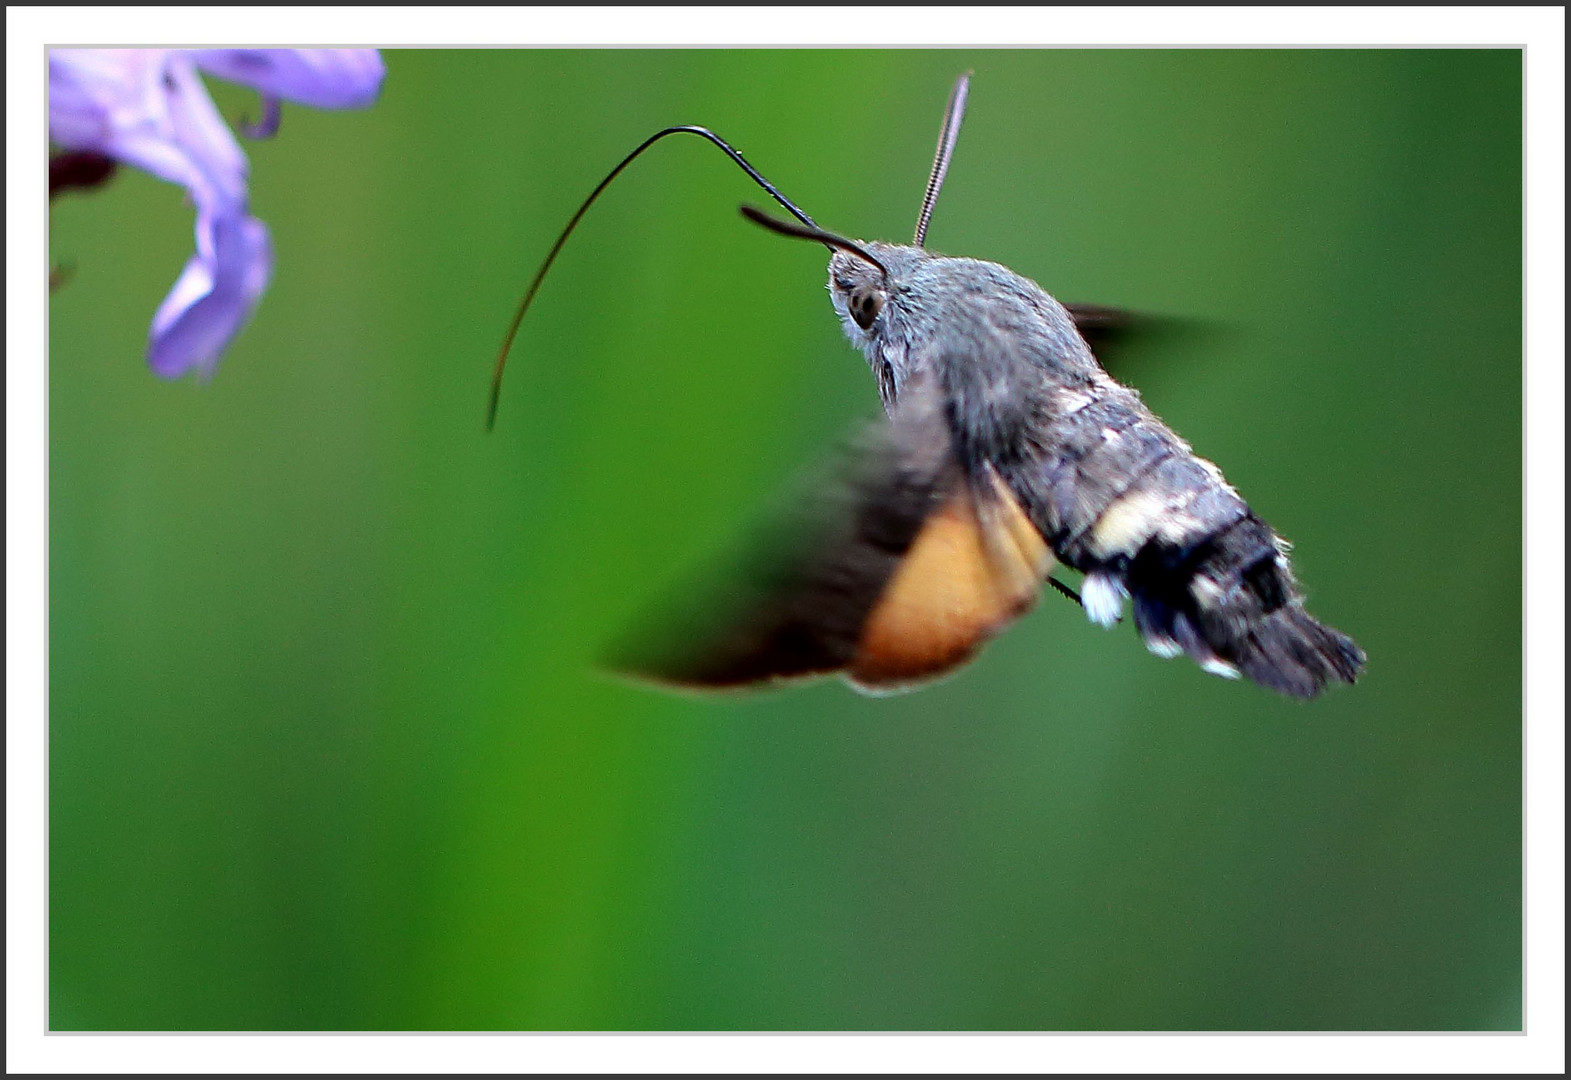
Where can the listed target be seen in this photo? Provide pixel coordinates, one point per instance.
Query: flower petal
(325, 78)
(148, 108)
(84, 84)
(99, 99)
(214, 297)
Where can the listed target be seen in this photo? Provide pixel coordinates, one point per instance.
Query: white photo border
(1541, 1048)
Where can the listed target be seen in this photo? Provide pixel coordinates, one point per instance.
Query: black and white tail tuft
(1230, 603)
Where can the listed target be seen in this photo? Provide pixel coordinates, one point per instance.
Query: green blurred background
(326, 747)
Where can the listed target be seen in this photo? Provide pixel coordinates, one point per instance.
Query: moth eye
(865, 307)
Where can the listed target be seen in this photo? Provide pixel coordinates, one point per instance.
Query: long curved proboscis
(811, 232)
(534, 286)
(954, 113)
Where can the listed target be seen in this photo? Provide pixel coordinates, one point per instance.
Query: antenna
(954, 113)
(534, 286)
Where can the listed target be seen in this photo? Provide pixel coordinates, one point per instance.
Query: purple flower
(148, 108)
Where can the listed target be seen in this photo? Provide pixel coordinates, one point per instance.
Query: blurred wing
(976, 566)
(1116, 334)
(891, 570)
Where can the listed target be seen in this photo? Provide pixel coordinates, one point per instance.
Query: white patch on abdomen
(1136, 517)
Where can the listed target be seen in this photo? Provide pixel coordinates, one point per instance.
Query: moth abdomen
(1124, 500)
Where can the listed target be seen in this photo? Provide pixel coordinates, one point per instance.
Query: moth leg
(1065, 591)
